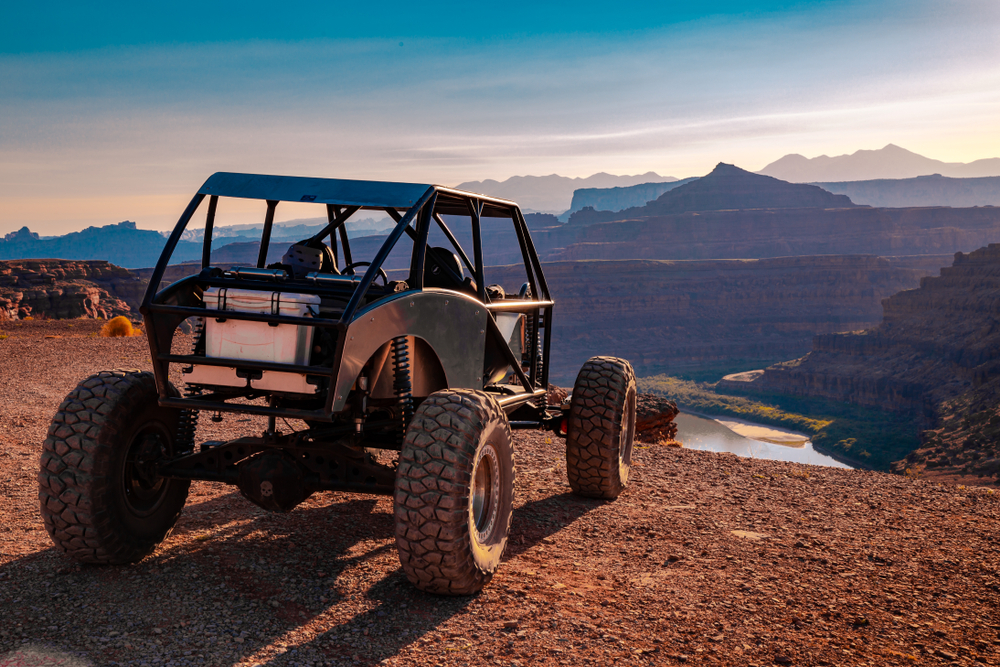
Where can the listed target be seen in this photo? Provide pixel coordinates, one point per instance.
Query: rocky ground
(705, 559)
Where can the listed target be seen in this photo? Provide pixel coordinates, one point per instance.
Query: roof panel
(320, 190)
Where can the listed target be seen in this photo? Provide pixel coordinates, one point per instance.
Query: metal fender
(452, 323)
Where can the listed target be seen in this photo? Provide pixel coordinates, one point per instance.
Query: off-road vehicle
(407, 387)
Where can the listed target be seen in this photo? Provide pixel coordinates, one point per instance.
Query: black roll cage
(412, 206)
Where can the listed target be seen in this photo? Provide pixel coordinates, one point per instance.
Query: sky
(120, 111)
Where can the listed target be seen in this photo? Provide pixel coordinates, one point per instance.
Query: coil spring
(401, 384)
(187, 422)
(543, 401)
(533, 337)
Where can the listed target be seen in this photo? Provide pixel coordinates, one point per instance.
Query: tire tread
(431, 499)
(75, 469)
(595, 419)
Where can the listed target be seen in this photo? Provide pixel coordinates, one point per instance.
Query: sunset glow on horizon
(123, 114)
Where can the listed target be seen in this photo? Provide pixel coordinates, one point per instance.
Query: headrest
(434, 273)
(308, 256)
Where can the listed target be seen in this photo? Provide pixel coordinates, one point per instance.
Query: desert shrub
(118, 327)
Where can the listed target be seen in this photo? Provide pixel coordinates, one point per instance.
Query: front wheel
(601, 428)
(99, 493)
(454, 492)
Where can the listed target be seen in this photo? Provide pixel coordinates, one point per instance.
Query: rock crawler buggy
(437, 365)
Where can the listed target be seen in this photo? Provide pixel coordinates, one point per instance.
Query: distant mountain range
(300, 227)
(889, 162)
(726, 188)
(554, 193)
(123, 244)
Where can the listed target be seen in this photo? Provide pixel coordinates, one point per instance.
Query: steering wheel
(349, 271)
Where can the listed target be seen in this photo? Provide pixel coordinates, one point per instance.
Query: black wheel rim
(484, 503)
(144, 490)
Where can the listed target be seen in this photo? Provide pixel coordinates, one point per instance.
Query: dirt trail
(705, 559)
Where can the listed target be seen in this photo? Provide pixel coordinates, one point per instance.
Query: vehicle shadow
(538, 519)
(230, 580)
(320, 584)
(403, 616)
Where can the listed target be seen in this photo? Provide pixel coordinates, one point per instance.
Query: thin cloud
(157, 120)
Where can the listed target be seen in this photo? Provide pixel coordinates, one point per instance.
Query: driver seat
(310, 255)
(437, 276)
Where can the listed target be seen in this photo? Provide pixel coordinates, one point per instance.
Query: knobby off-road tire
(100, 497)
(601, 428)
(454, 492)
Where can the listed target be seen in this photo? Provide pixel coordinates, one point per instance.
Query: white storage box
(241, 340)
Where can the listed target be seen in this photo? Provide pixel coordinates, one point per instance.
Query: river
(701, 433)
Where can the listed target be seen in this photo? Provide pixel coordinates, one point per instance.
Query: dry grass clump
(119, 327)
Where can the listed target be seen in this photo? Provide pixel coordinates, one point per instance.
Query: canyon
(674, 316)
(934, 358)
(681, 316)
(776, 233)
(726, 273)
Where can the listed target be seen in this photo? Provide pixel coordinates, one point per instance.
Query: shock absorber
(187, 422)
(533, 337)
(543, 401)
(401, 381)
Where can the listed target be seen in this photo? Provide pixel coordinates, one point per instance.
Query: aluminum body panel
(453, 325)
(511, 326)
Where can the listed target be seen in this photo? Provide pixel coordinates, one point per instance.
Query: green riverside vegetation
(859, 436)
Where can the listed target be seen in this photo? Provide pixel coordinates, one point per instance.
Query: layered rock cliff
(58, 289)
(669, 316)
(934, 343)
(681, 316)
(934, 190)
(935, 357)
(617, 199)
(777, 233)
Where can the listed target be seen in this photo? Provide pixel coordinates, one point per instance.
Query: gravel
(705, 559)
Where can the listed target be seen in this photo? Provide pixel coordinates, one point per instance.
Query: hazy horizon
(121, 115)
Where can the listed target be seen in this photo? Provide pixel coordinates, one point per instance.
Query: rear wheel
(601, 428)
(99, 493)
(454, 492)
